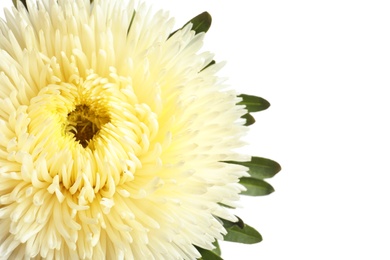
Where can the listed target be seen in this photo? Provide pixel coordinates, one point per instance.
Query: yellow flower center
(84, 124)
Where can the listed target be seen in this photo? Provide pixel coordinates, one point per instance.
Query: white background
(324, 66)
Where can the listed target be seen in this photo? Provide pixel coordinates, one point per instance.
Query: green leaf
(245, 235)
(200, 23)
(217, 249)
(226, 206)
(23, 1)
(207, 254)
(260, 168)
(228, 224)
(256, 187)
(253, 103)
(131, 22)
(250, 120)
(208, 65)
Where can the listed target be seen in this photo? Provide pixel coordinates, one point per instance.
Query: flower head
(112, 135)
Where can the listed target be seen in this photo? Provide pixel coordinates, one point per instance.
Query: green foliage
(23, 2)
(237, 232)
(208, 254)
(217, 249)
(227, 224)
(253, 103)
(240, 232)
(200, 23)
(208, 65)
(214, 254)
(131, 22)
(260, 168)
(250, 120)
(246, 235)
(256, 187)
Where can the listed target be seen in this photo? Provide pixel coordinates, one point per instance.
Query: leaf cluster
(259, 168)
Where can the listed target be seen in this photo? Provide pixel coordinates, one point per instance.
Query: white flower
(112, 136)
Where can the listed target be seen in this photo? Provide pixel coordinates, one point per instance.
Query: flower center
(84, 124)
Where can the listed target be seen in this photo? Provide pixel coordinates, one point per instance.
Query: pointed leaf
(246, 235)
(208, 65)
(253, 103)
(131, 22)
(226, 206)
(207, 254)
(200, 23)
(228, 224)
(217, 249)
(250, 120)
(256, 187)
(260, 168)
(23, 1)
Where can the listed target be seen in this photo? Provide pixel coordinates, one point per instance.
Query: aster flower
(117, 138)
